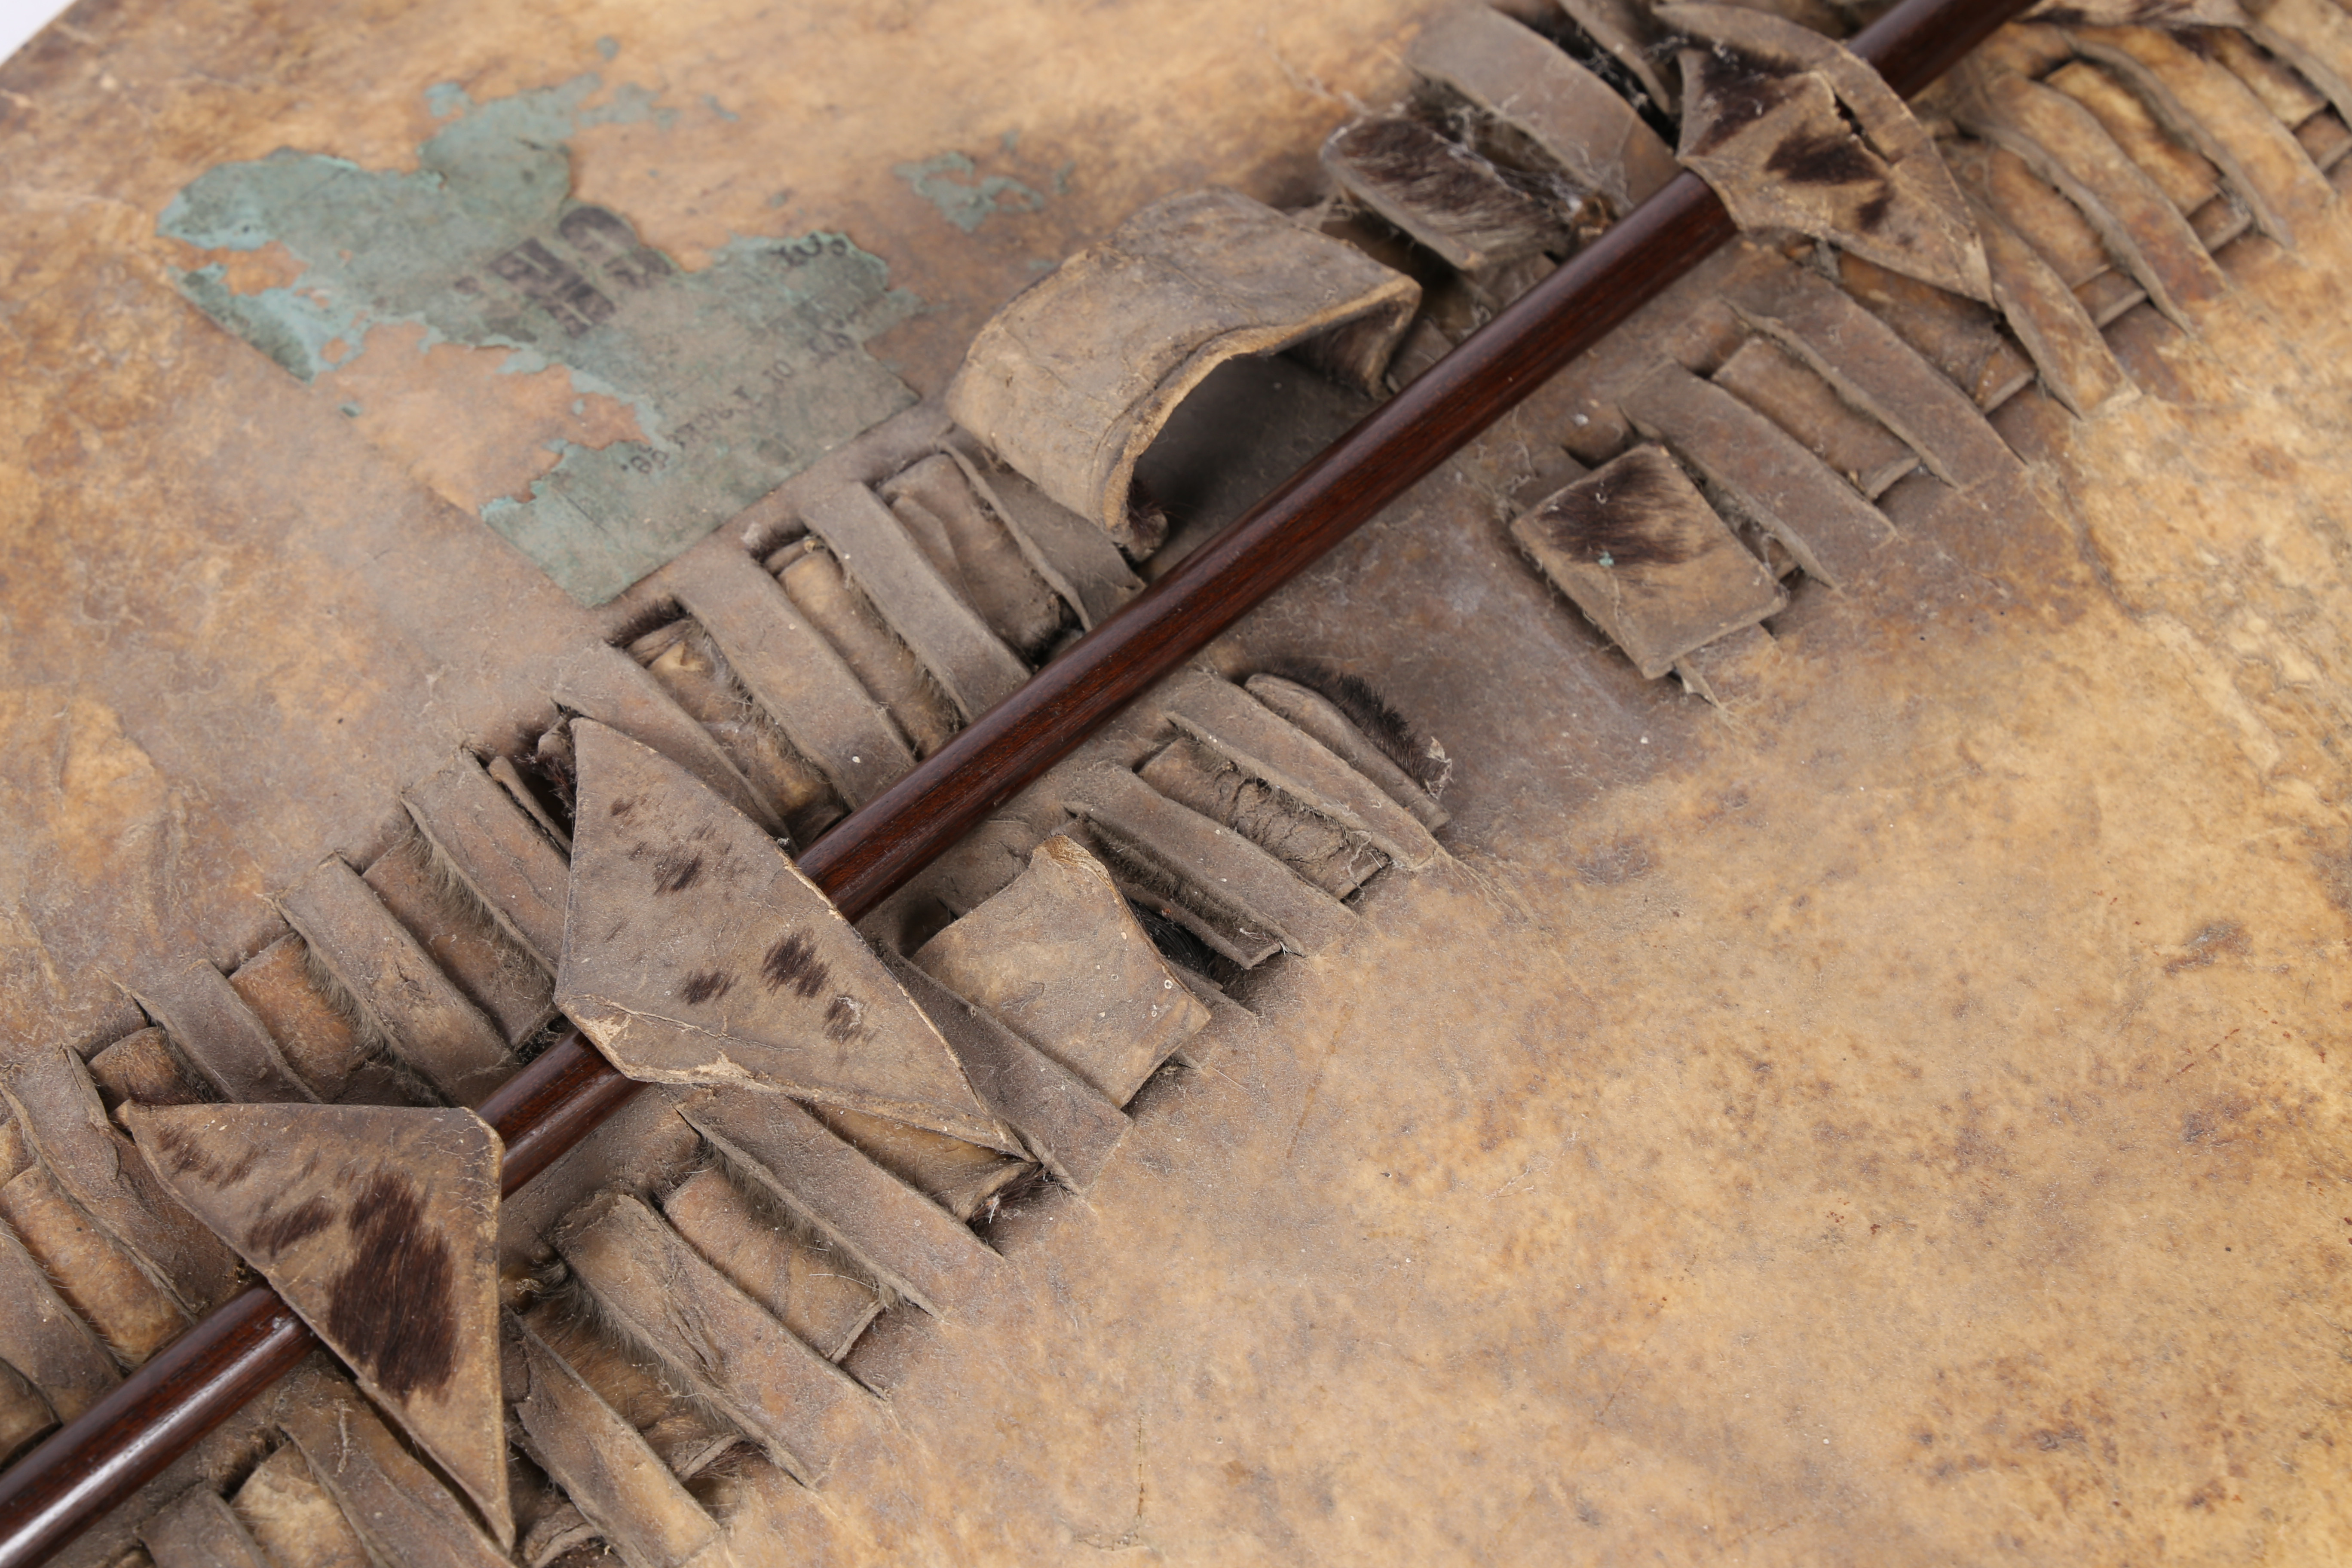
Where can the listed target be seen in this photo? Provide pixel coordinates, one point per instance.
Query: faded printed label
(694, 393)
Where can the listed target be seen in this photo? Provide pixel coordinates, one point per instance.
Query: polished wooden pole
(122, 1442)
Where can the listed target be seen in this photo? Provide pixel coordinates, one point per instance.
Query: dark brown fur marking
(1740, 90)
(305, 1219)
(1459, 191)
(393, 1307)
(1370, 713)
(793, 961)
(1627, 519)
(551, 766)
(1826, 157)
(1174, 939)
(622, 808)
(842, 1020)
(705, 985)
(2140, 15)
(674, 873)
(188, 1157)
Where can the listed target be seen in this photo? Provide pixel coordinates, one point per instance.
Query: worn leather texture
(1893, 1115)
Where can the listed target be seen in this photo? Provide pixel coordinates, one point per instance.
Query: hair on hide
(1135, 866)
(517, 778)
(1035, 1184)
(1446, 112)
(394, 1303)
(781, 1218)
(554, 1029)
(1567, 34)
(579, 1316)
(1460, 193)
(646, 621)
(413, 1085)
(1263, 813)
(697, 642)
(738, 705)
(2182, 14)
(1168, 934)
(934, 693)
(1739, 89)
(1822, 157)
(1624, 520)
(685, 662)
(1370, 713)
(550, 1531)
(441, 874)
(550, 763)
(659, 641)
(1522, 161)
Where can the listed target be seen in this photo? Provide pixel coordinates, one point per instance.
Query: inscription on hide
(692, 394)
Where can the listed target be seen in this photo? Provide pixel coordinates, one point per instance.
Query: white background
(20, 19)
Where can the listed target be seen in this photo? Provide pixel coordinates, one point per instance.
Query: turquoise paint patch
(741, 374)
(292, 329)
(951, 183)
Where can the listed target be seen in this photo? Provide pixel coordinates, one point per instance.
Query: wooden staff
(160, 1411)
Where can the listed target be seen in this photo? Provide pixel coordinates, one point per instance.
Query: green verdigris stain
(948, 183)
(952, 182)
(741, 374)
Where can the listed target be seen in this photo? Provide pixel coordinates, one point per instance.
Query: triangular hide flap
(378, 1226)
(696, 952)
(1762, 124)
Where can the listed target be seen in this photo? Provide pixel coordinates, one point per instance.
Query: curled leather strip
(1070, 382)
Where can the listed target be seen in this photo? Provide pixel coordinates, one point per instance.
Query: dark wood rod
(101, 1457)
(1393, 447)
